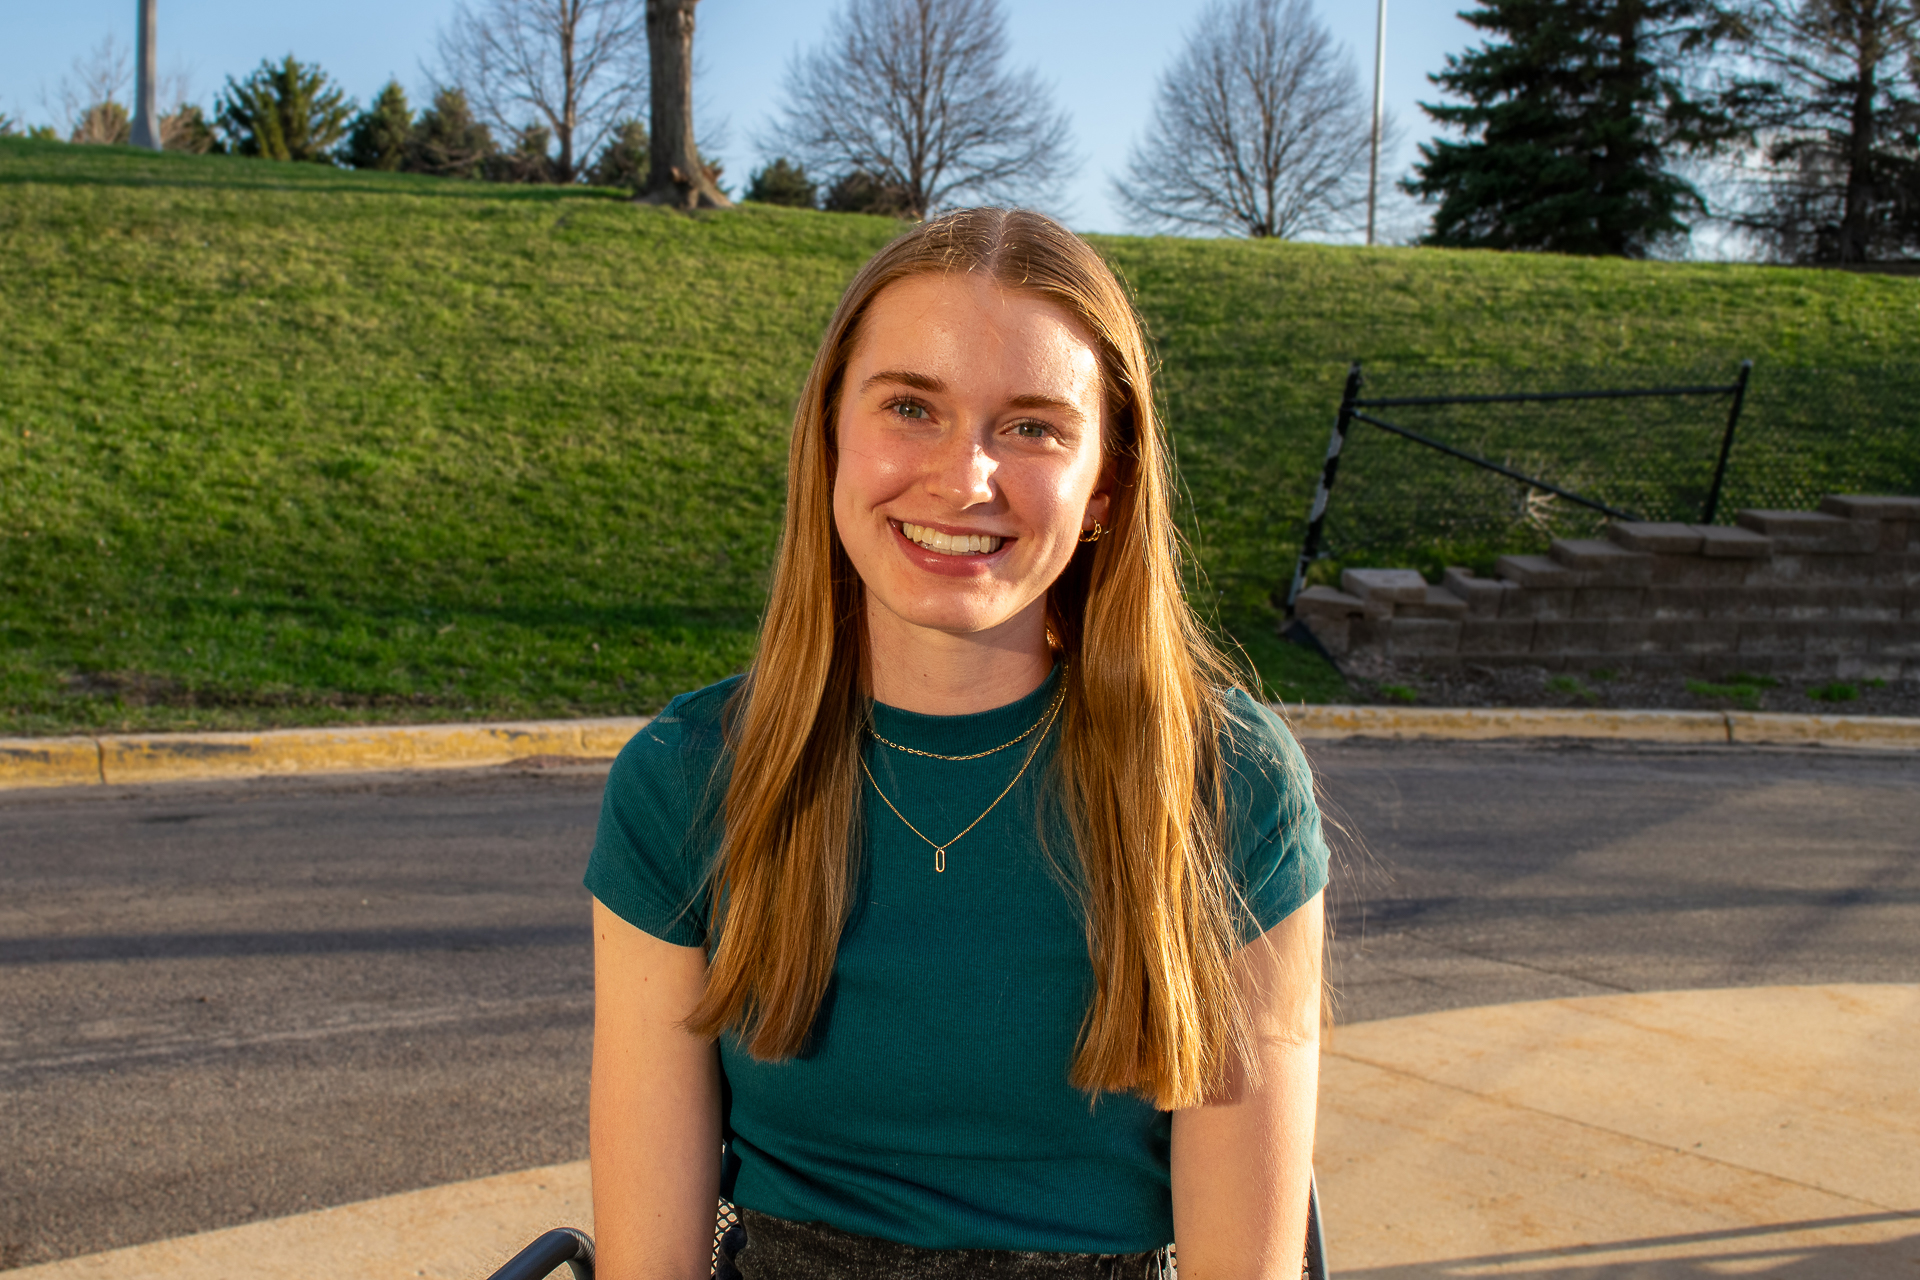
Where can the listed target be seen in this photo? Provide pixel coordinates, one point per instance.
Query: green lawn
(281, 444)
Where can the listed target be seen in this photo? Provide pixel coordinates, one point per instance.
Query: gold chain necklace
(940, 850)
(1053, 706)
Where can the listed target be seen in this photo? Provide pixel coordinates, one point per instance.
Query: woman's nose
(962, 471)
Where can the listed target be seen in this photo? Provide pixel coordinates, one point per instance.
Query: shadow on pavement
(1743, 1251)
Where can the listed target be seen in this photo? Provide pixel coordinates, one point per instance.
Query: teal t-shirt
(931, 1105)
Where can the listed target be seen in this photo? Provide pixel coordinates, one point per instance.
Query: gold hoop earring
(1094, 534)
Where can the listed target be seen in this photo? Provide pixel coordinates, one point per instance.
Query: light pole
(1379, 114)
(146, 124)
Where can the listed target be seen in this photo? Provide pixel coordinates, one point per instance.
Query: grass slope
(284, 444)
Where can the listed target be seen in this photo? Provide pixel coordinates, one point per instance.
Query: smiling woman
(970, 464)
(980, 920)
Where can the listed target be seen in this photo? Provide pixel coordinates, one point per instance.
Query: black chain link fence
(1801, 434)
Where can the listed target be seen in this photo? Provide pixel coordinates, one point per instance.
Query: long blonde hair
(1138, 765)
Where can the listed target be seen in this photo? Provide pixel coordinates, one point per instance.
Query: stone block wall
(1815, 595)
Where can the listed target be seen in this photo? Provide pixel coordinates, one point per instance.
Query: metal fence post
(1317, 515)
(1726, 441)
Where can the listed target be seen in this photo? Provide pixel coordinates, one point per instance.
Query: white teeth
(964, 544)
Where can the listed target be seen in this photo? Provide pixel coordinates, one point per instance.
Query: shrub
(623, 162)
(186, 130)
(288, 112)
(529, 161)
(378, 138)
(862, 192)
(104, 123)
(447, 140)
(783, 182)
(1835, 692)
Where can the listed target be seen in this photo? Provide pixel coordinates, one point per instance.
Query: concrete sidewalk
(1670, 1136)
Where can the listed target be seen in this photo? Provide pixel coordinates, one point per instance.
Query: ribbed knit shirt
(930, 1105)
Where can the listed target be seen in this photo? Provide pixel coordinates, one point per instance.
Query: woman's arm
(655, 1127)
(1241, 1164)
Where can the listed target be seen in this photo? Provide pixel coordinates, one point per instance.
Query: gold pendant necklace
(939, 849)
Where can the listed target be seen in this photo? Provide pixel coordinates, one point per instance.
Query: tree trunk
(569, 90)
(1855, 231)
(676, 177)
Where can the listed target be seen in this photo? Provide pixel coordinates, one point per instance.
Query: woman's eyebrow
(1037, 401)
(906, 378)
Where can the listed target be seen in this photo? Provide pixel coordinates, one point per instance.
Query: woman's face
(969, 432)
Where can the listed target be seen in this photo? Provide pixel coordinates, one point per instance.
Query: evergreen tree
(378, 139)
(783, 182)
(862, 192)
(530, 159)
(288, 112)
(185, 128)
(448, 141)
(624, 160)
(1573, 113)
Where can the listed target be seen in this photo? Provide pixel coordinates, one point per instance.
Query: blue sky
(1103, 56)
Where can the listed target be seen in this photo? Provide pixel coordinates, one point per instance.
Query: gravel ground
(1409, 684)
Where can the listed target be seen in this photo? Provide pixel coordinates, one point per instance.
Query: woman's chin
(961, 619)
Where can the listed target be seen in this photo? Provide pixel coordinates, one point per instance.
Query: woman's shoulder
(658, 818)
(1257, 746)
(1271, 829)
(690, 728)
(670, 778)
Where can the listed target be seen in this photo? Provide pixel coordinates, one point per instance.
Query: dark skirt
(767, 1248)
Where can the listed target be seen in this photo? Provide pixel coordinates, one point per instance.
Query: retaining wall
(1827, 594)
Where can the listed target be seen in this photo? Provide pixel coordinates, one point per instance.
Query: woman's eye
(1032, 430)
(910, 409)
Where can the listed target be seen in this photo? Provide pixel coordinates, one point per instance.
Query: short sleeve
(1273, 824)
(659, 821)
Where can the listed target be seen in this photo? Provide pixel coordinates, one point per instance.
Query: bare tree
(1261, 129)
(577, 67)
(91, 102)
(676, 175)
(1833, 99)
(913, 94)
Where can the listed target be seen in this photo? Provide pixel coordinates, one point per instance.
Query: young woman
(981, 919)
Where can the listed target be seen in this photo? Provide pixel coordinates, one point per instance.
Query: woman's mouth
(951, 544)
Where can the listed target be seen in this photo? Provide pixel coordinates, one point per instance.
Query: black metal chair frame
(566, 1247)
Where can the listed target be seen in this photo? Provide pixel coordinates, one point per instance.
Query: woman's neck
(937, 673)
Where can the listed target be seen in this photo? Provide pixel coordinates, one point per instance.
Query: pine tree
(623, 161)
(1573, 114)
(448, 141)
(783, 182)
(378, 139)
(861, 192)
(288, 112)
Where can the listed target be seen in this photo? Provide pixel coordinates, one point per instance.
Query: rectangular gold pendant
(939, 859)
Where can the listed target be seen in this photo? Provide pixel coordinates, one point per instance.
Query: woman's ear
(1099, 504)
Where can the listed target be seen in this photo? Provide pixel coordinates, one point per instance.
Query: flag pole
(1379, 116)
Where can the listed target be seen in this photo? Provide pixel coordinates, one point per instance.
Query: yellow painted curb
(1310, 722)
(119, 759)
(1895, 732)
(170, 757)
(49, 762)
